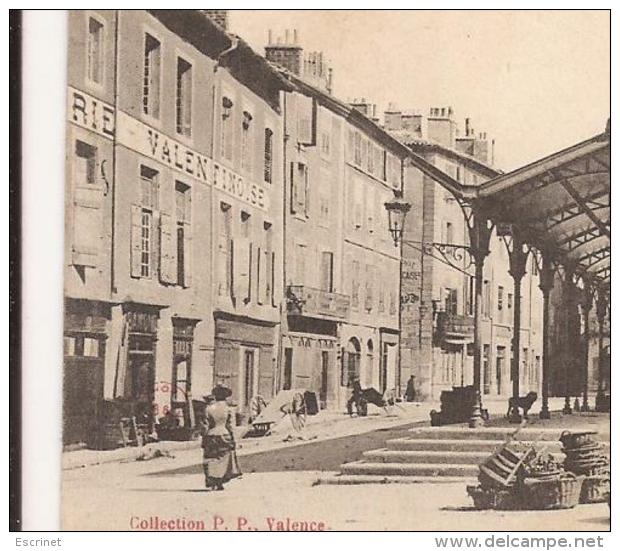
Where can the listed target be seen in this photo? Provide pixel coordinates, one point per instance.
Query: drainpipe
(114, 146)
(283, 306)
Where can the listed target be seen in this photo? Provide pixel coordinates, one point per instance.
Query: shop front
(85, 335)
(245, 359)
(310, 360)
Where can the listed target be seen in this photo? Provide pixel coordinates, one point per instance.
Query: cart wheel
(389, 397)
(298, 412)
(257, 405)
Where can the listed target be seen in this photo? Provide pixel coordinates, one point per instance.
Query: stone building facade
(341, 270)
(172, 167)
(437, 298)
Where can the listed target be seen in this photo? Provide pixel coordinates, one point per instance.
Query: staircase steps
(410, 469)
(452, 445)
(439, 454)
(484, 433)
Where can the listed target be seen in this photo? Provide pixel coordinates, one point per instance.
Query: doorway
(499, 368)
(249, 376)
(324, 378)
(287, 383)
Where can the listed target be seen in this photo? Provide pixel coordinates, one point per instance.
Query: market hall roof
(561, 204)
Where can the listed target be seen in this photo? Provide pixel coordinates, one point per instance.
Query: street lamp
(397, 210)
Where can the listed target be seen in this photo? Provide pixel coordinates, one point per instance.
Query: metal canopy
(561, 205)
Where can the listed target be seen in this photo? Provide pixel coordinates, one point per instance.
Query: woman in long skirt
(218, 442)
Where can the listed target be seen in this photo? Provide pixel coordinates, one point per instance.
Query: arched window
(351, 362)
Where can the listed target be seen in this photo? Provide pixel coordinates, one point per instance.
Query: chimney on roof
(366, 107)
(393, 117)
(441, 126)
(288, 54)
(219, 17)
(476, 145)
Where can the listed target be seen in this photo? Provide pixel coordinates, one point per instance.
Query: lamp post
(397, 210)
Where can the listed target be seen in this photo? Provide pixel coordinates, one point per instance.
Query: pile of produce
(585, 458)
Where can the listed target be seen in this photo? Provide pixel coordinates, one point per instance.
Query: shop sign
(97, 116)
(90, 113)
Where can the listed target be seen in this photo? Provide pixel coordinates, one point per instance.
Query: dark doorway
(287, 383)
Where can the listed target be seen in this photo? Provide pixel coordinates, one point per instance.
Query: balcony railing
(307, 301)
(454, 326)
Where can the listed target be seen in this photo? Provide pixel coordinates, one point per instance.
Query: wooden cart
(291, 403)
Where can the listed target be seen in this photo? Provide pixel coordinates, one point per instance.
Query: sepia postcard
(337, 270)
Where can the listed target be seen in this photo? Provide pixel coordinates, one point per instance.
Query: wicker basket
(563, 492)
(503, 500)
(595, 489)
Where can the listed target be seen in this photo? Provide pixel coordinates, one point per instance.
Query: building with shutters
(173, 215)
(341, 267)
(438, 281)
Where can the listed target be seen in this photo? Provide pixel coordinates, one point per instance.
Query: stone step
(424, 456)
(483, 433)
(454, 444)
(427, 456)
(409, 469)
(347, 479)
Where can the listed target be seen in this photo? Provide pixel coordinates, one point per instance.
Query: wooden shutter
(327, 262)
(306, 191)
(268, 276)
(241, 268)
(272, 279)
(187, 254)
(167, 244)
(293, 190)
(305, 110)
(136, 240)
(168, 238)
(260, 277)
(154, 250)
(87, 207)
(87, 225)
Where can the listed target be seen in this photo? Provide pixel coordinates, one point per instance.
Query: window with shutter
(241, 258)
(299, 189)
(246, 142)
(136, 241)
(183, 210)
(167, 260)
(87, 207)
(369, 302)
(148, 226)
(226, 139)
(152, 76)
(305, 123)
(327, 271)
(95, 51)
(268, 160)
(184, 97)
(224, 249)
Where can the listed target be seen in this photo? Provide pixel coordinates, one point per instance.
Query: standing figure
(410, 393)
(218, 442)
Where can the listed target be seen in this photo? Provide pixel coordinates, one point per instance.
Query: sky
(535, 81)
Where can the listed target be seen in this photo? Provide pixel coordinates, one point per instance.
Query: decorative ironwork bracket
(457, 256)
